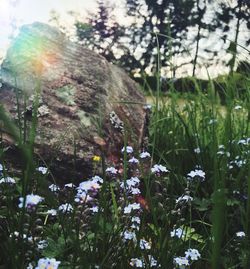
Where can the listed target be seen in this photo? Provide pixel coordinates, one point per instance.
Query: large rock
(84, 104)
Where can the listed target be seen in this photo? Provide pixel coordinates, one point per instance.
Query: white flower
(42, 244)
(97, 179)
(145, 155)
(30, 201)
(212, 121)
(82, 197)
(133, 160)
(132, 182)
(30, 266)
(89, 185)
(197, 173)
(184, 198)
(69, 185)
(24, 236)
(111, 170)
(181, 261)
(237, 107)
(177, 232)
(137, 263)
(42, 169)
(197, 150)
(144, 244)
(158, 168)
(65, 208)
(136, 220)
(240, 234)
(54, 188)
(244, 141)
(147, 106)
(153, 261)
(129, 149)
(134, 191)
(127, 235)
(47, 263)
(1, 167)
(52, 212)
(193, 254)
(8, 180)
(130, 207)
(94, 209)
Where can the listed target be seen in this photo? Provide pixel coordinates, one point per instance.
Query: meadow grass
(180, 203)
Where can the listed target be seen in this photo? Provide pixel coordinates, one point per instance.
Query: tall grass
(199, 132)
(136, 214)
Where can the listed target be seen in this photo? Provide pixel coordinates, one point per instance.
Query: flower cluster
(30, 201)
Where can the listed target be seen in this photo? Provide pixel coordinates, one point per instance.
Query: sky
(19, 12)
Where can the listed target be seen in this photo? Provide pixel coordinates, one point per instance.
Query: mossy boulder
(80, 92)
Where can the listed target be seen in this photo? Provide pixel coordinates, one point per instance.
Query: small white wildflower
(69, 185)
(181, 261)
(196, 173)
(158, 168)
(30, 266)
(94, 209)
(127, 235)
(54, 188)
(89, 185)
(47, 263)
(42, 169)
(184, 198)
(52, 212)
(24, 236)
(129, 149)
(136, 220)
(240, 234)
(111, 170)
(133, 160)
(147, 107)
(133, 181)
(135, 191)
(193, 254)
(42, 244)
(137, 263)
(153, 261)
(238, 107)
(1, 167)
(30, 201)
(244, 141)
(197, 150)
(212, 121)
(82, 197)
(178, 233)
(222, 152)
(145, 155)
(130, 207)
(135, 227)
(144, 244)
(8, 180)
(65, 208)
(97, 179)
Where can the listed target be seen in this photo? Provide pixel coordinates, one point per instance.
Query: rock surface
(85, 103)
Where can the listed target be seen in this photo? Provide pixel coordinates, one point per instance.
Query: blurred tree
(101, 32)
(238, 14)
(159, 26)
(199, 20)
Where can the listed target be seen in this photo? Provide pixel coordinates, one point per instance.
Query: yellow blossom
(96, 158)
